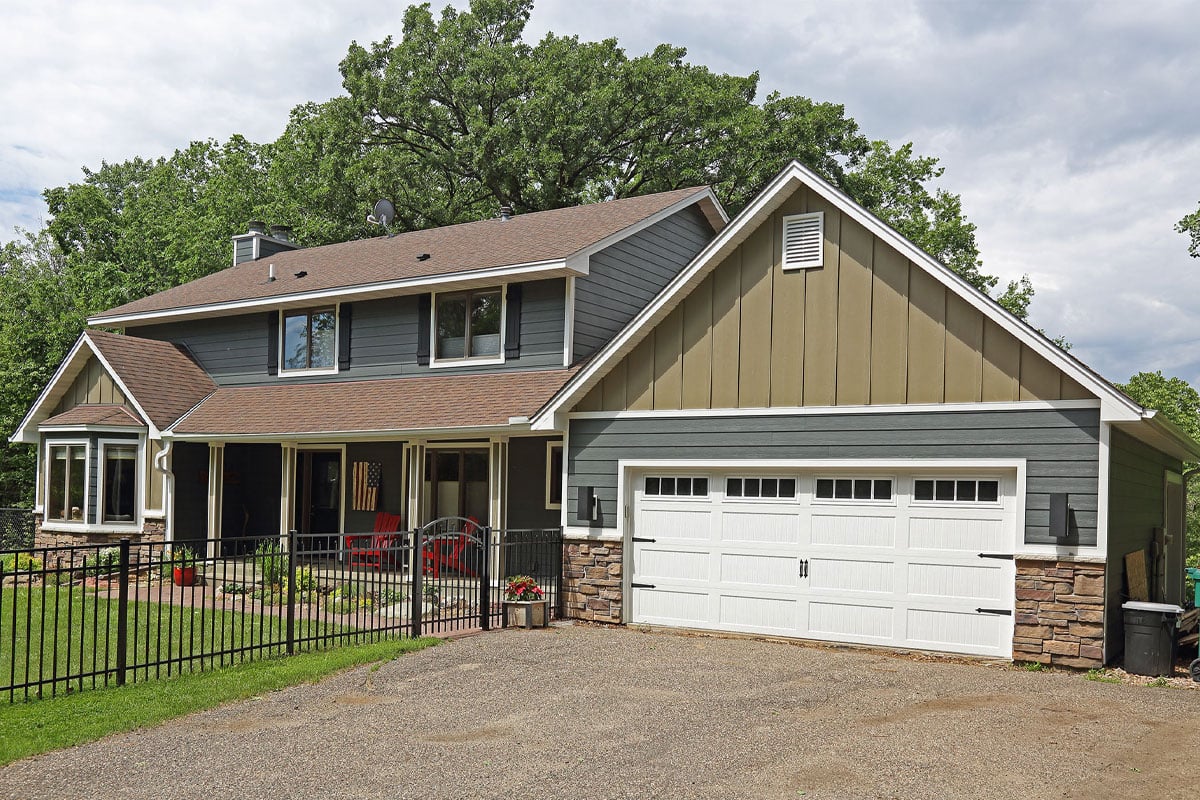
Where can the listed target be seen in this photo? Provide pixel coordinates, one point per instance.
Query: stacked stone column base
(592, 580)
(1060, 613)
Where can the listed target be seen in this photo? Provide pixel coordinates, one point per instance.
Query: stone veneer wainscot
(1060, 612)
(592, 580)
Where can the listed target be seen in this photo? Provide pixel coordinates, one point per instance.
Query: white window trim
(812, 263)
(551, 476)
(67, 524)
(842, 501)
(337, 335)
(138, 490)
(441, 363)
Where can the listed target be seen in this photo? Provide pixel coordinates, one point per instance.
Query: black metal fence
(16, 528)
(85, 616)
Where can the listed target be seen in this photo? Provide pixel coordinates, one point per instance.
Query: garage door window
(945, 490)
(672, 486)
(854, 489)
(757, 488)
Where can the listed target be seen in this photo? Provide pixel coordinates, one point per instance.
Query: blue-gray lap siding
(624, 277)
(1136, 487)
(1061, 449)
(383, 340)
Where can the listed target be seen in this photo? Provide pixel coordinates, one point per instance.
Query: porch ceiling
(352, 407)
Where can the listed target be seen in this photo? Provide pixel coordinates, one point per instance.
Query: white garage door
(921, 560)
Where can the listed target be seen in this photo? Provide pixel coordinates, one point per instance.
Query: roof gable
(156, 380)
(1116, 406)
(534, 242)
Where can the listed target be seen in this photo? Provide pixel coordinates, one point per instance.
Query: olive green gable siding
(1136, 507)
(93, 385)
(868, 327)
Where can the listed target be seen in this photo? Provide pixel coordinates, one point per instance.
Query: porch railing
(80, 617)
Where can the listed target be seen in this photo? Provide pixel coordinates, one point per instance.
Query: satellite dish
(383, 215)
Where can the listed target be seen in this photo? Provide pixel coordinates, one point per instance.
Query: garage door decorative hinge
(1000, 556)
(1005, 612)
(633, 585)
(642, 539)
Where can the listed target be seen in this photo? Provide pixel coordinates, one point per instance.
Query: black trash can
(1150, 637)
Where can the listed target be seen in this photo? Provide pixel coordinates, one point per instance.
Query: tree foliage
(453, 119)
(1190, 227)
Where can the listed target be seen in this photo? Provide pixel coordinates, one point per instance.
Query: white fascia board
(702, 463)
(653, 219)
(90, 429)
(799, 411)
(343, 293)
(26, 432)
(769, 199)
(351, 436)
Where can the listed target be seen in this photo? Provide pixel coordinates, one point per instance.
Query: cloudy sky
(1071, 129)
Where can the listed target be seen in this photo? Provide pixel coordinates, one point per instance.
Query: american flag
(367, 475)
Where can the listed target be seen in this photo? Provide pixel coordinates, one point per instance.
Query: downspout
(160, 464)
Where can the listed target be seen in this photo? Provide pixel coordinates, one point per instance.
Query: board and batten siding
(868, 327)
(92, 385)
(1136, 506)
(1061, 448)
(383, 340)
(625, 276)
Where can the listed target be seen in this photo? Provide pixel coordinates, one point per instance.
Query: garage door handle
(1000, 611)
(642, 539)
(1000, 556)
(642, 586)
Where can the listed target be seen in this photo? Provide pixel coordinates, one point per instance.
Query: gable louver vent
(803, 240)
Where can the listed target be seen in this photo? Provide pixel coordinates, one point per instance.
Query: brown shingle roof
(398, 404)
(163, 380)
(471, 246)
(96, 414)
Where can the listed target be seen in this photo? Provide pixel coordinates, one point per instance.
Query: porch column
(414, 461)
(216, 484)
(287, 484)
(498, 507)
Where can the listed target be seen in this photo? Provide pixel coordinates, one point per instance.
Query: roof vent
(804, 240)
(506, 213)
(282, 232)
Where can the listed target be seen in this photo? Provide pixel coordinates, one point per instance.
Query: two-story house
(791, 423)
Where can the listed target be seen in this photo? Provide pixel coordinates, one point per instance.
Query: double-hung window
(119, 488)
(309, 340)
(65, 482)
(468, 324)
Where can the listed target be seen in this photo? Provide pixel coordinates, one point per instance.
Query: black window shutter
(512, 325)
(424, 320)
(344, 319)
(273, 343)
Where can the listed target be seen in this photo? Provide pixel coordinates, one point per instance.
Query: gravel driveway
(588, 712)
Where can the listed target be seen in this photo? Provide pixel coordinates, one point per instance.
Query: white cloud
(1070, 129)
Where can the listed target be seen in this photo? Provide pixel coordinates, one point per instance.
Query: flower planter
(183, 576)
(525, 613)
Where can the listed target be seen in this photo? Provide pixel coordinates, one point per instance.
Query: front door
(456, 484)
(318, 498)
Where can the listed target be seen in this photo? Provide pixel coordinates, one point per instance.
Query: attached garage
(900, 558)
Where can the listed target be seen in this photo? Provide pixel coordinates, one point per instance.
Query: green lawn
(39, 726)
(50, 633)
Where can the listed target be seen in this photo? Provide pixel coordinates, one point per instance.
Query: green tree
(1190, 226)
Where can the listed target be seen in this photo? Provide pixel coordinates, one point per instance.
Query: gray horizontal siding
(1061, 449)
(383, 340)
(623, 278)
(1136, 507)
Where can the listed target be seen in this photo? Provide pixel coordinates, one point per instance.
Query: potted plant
(183, 565)
(524, 603)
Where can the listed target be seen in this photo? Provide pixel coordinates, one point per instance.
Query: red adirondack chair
(446, 551)
(378, 548)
